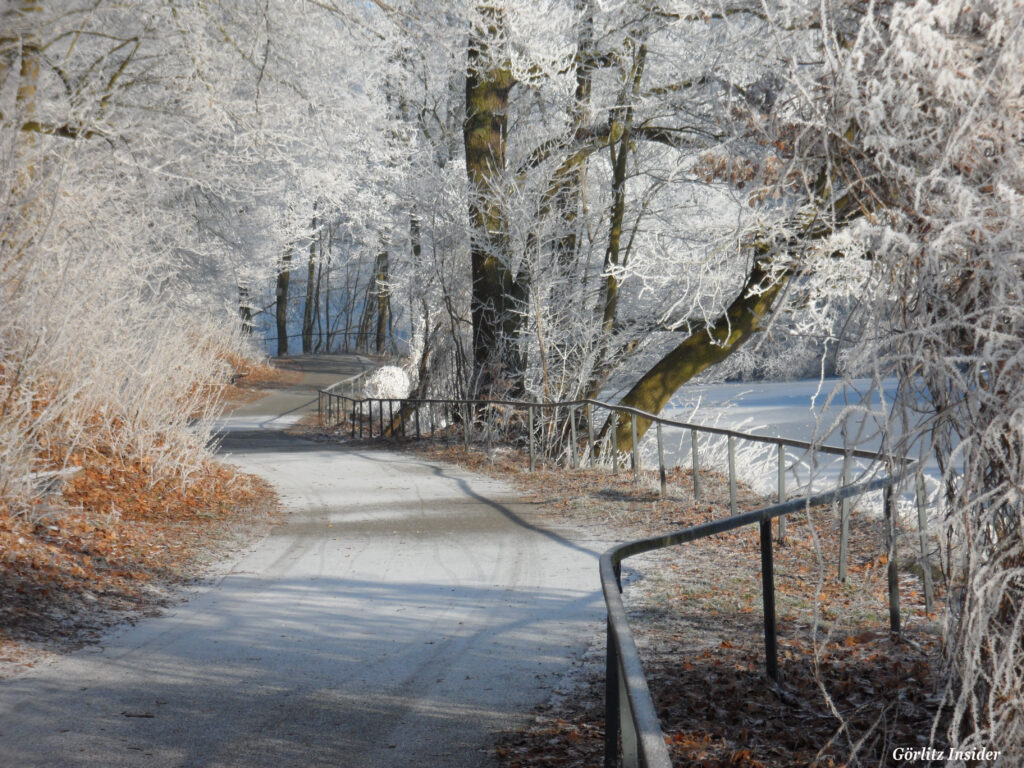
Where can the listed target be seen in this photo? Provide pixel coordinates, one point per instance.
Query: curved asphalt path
(403, 613)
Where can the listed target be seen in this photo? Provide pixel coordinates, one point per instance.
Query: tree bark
(283, 279)
(383, 302)
(498, 294)
(307, 310)
(708, 346)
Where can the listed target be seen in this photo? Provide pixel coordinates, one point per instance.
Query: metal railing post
(529, 440)
(487, 428)
(695, 461)
(466, 412)
(614, 443)
(380, 411)
(636, 448)
(782, 490)
(417, 406)
(922, 534)
(352, 430)
(844, 523)
(732, 475)
(661, 461)
(590, 434)
(892, 574)
(611, 701)
(391, 418)
(771, 650)
(573, 458)
(768, 600)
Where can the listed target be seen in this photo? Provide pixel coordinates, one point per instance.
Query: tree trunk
(307, 310)
(368, 313)
(498, 295)
(22, 196)
(283, 278)
(318, 319)
(569, 199)
(383, 302)
(245, 309)
(620, 138)
(705, 348)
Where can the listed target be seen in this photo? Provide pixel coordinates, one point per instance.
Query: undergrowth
(108, 487)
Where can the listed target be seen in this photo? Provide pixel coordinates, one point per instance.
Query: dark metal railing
(630, 709)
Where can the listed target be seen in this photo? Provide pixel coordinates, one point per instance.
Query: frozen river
(807, 410)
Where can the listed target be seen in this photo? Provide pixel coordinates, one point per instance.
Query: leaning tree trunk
(700, 350)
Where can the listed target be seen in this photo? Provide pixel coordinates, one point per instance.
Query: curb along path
(402, 613)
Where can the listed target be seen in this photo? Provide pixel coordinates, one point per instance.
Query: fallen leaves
(120, 537)
(696, 615)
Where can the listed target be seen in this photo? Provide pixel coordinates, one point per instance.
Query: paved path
(403, 613)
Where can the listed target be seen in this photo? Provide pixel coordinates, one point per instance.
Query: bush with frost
(389, 381)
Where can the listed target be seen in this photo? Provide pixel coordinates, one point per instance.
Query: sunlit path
(401, 614)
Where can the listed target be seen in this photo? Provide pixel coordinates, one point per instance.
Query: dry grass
(119, 535)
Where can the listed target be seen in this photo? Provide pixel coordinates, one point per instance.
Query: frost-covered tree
(928, 100)
(587, 139)
(152, 156)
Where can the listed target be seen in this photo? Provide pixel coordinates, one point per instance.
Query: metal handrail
(630, 411)
(351, 381)
(629, 706)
